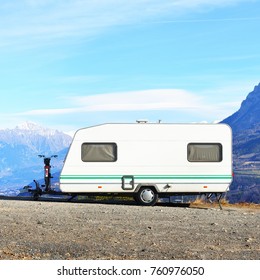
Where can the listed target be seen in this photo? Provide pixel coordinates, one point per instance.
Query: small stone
(249, 239)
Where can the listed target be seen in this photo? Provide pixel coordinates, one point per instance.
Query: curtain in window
(98, 152)
(204, 152)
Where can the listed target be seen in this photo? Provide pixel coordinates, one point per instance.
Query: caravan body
(150, 158)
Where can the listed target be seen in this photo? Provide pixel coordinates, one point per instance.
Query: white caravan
(147, 160)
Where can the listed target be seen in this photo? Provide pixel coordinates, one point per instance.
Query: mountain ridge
(248, 115)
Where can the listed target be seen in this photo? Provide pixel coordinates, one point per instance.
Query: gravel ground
(59, 230)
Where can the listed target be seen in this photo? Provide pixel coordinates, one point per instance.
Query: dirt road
(55, 230)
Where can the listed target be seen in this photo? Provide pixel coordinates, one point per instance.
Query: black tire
(147, 196)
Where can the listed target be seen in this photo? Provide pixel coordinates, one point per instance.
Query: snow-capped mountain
(19, 150)
(36, 137)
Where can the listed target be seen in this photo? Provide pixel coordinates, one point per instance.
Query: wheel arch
(139, 186)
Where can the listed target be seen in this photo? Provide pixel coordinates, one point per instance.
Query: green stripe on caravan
(98, 177)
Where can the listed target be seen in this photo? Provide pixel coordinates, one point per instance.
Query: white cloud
(156, 99)
(146, 100)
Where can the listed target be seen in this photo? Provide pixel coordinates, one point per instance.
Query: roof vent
(142, 121)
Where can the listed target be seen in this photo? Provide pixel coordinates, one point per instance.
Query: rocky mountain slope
(248, 116)
(245, 124)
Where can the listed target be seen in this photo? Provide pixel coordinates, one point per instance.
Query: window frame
(100, 143)
(207, 143)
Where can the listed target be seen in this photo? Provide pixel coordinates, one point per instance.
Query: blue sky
(71, 64)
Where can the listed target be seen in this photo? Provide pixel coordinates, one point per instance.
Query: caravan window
(99, 152)
(204, 152)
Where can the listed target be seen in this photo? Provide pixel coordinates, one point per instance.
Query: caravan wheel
(147, 196)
